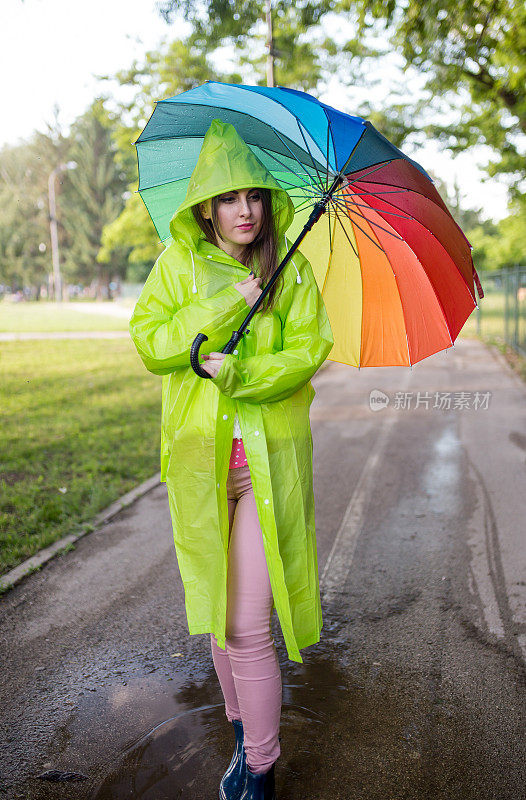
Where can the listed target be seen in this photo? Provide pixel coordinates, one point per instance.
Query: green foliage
(473, 58)
(176, 67)
(471, 55)
(500, 245)
(494, 244)
(25, 250)
(241, 27)
(133, 229)
(93, 197)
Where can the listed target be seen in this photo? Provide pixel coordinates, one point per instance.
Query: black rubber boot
(259, 787)
(233, 781)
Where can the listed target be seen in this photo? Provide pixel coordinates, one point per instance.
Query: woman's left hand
(213, 363)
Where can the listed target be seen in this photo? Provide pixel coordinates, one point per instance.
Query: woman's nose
(244, 208)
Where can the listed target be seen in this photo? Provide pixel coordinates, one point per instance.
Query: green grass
(45, 317)
(79, 415)
(492, 328)
(491, 316)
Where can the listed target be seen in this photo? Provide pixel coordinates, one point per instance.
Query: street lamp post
(57, 278)
(270, 44)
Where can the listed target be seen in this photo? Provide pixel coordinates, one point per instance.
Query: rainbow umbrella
(394, 268)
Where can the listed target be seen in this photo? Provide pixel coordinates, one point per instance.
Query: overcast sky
(52, 50)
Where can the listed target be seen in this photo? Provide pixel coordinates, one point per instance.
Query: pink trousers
(248, 670)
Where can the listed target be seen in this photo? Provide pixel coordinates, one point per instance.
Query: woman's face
(240, 216)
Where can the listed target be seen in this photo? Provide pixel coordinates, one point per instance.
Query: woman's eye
(255, 197)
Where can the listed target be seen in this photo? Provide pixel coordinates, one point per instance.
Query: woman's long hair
(261, 254)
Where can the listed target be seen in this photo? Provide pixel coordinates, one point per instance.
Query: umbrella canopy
(394, 268)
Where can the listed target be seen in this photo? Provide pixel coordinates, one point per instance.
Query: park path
(112, 309)
(27, 336)
(88, 309)
(417, 684)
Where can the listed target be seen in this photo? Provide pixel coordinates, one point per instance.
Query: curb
(10, 579)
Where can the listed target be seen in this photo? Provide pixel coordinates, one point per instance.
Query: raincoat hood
(226, 163)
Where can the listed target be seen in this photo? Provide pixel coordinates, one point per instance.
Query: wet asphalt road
(417, 688)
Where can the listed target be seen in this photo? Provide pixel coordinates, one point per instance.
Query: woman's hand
(250, 289)
(213, 363)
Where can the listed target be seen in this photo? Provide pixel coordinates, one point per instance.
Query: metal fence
(502, 311)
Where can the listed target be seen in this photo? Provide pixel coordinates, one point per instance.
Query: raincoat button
(267, 501)
(218, 486)
(225, 416)
(256, 433)
(209, 256)
(236, 352)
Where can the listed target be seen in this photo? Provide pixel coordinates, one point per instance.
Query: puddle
(185, 755)
(441, 477)
(355, 724)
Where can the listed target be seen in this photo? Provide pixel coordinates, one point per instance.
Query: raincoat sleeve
(163, 326)
(307, 341)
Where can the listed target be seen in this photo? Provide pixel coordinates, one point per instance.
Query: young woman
(236, 449)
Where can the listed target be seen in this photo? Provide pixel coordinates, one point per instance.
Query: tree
(501, 244)
(471, 56)
(241, 27)
(25, 250)
(180, 65)
(93, 197)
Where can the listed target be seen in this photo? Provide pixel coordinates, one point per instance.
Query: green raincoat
(266, 381)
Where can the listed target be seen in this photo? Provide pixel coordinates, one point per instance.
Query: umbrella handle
(198, 341)
(194, 355)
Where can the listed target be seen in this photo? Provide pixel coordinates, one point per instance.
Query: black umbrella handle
(198, 341)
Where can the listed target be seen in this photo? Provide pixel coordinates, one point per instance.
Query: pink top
(237, 456)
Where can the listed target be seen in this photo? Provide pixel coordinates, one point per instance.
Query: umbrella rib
(302, 206)
(353, 222)
(327, 164)
(329, 122)
(345, 232)
(320, 180)
(287, 167)
(341, 189)
(380, 166)
(373, 194)
(369, 221)
(406, 189)
(434, 235)
(250, 116)
(307, 195)
(414, 191)
(292, 185)
(301, 200)
(294, 156)
(330, 231)
(384, 211)
(379, 246)
(313, 190)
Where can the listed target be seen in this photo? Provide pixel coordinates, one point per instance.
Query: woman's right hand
(249, 288)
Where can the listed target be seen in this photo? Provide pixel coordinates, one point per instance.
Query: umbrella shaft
(319, 208)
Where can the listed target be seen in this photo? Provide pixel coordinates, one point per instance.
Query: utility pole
(57, 277)
(270, 45)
